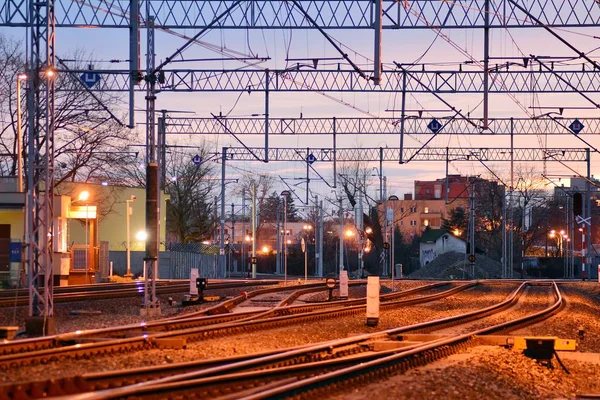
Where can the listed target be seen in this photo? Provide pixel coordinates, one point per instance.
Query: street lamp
(390, 218)
(83, 197)
(20, 77)
(127, 241)
(285, 195)
(306, 228)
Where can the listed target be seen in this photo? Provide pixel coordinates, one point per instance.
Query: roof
(432, 235)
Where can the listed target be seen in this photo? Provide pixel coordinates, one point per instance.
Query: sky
(405, 46)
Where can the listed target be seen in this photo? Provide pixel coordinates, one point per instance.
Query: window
(426, 222)
(413, 209)
(426, 210)
(401, 223)
(413, 222)
(401, 209)
(427, 191)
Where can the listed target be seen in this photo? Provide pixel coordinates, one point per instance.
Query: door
(4, 248)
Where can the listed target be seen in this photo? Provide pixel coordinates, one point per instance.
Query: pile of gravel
(455, 265)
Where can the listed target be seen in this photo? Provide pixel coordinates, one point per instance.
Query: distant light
(22, 76)
(369, 230)
(50, 73)
(248, 238)
(206, 242)
(289, 241)
(105, 183)
(83, 196)
(141, 236)
(265, 249)
(349, 233)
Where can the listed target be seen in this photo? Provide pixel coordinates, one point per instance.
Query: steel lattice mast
(40, 162)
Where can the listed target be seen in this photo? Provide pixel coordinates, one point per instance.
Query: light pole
(84, 197)
(307, 228)
(20, 77)
(285, 195)
(127, 240)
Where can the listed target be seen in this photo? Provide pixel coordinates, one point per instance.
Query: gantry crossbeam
(408, 154)
(370, 126)
(330, 14)
(511, 81)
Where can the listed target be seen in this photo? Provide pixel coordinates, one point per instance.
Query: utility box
(343, 284)
(372, 300)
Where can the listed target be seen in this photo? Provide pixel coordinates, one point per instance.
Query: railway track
(108, 291)
(304, 372)
(245, 322)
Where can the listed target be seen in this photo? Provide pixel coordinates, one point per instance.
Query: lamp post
(20, 77)
(285, 195)
(306, 228)
(127, 239)
(390, 218)
(83, 197)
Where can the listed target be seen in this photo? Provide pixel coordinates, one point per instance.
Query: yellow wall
(111, 209)
(113, 216)
(14, 218)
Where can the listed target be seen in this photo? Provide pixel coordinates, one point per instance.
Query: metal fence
(185, 256)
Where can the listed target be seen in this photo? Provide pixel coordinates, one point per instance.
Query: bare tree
(90, 140)
(190, 186)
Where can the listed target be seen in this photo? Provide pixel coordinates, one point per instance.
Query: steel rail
(151, 340)
(426, 353)
(213, 376)
(214, 315)
(123, 292)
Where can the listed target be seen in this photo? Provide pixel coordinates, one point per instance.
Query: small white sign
(193, 275)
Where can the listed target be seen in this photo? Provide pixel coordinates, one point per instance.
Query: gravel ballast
(279, 338)
(483, 372)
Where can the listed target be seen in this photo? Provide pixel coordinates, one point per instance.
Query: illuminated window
(426, 210)
(426, 222)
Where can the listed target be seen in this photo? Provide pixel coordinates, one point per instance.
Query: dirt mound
(455, 265)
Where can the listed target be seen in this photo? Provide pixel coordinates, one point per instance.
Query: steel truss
(408, 154)
(40, 160)
(329, 14)
(511, 81)
(379, 126)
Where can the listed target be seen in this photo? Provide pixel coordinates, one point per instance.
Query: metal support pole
(378, 30)
(334, 154)
(321, 233)
(134, 55)
(341, 211)
(486, 61)
(402, 116)
(151, 305)
(19, 171)
(504, 265)
(243, 261)
(285, 240)
(222, 266)
(254, 229)
(162, 147)
(232, 239)
(588, 215)
(385, 228)
(278, 225)
(128, 237)
(40, 162)
(267, 81)
(472, 228)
